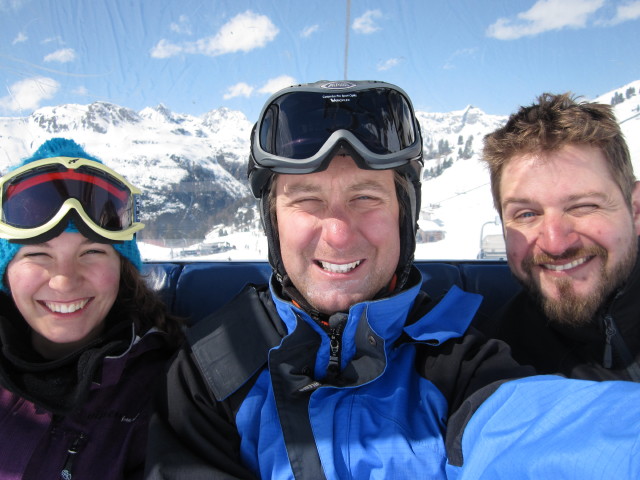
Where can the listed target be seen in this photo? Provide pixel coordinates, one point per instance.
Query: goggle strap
(68, 175)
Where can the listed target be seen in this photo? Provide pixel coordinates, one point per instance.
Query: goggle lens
(33, 198)
(296, 125)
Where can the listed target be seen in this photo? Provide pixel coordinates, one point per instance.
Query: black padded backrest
(194, 290)
(162, 278)
(493, 281)
(205, 287)
(438, 278)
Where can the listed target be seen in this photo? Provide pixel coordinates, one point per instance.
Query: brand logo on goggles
(337, 85)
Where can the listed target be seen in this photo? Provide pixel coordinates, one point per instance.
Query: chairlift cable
(346, 40)
(629, 118)
(461, 193)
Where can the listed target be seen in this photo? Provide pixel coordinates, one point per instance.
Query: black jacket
(608, 348)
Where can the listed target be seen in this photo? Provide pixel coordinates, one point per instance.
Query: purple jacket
(105, 439)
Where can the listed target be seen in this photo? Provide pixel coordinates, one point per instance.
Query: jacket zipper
(610, 332)
(334, 357)
(611, 336)
(76, 446)
(336, 322)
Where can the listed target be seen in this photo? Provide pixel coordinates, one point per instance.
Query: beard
(570, 308)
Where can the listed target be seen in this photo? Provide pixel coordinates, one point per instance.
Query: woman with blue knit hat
(83, 340)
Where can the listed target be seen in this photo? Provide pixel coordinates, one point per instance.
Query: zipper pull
(336, 323)
(334, 356)
(610, 332)
(67, 470)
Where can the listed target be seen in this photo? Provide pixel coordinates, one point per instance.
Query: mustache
(569, 254)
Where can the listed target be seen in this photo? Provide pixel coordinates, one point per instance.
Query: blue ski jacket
(264, 391)
(395, 388)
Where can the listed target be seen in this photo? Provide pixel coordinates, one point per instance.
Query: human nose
(556, 234)
(338, 228)
(65, 275)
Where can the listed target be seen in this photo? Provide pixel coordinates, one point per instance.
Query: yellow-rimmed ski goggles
(39, 195)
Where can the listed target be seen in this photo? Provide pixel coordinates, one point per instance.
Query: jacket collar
(387, 317)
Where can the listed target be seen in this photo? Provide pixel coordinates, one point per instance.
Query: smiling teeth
(335, 268)
(66, 307)
(566, 266)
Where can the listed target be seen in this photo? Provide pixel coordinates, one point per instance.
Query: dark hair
(136, 299)
(552, 123)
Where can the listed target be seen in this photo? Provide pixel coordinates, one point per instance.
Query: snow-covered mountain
(192, 170)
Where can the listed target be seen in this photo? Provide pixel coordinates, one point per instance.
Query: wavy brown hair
(552, 123)
(136, 299)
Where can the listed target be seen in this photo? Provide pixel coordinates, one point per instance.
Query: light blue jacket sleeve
(548, 427)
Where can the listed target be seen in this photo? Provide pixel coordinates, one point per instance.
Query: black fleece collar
(60, 385)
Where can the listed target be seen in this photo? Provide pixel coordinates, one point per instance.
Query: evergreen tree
(617, 98)
(468, 148)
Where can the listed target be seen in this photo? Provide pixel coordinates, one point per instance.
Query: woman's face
(64, 289)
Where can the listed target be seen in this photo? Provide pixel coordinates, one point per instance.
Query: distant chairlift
(492, 245)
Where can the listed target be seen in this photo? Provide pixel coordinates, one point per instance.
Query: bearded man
(563, 184)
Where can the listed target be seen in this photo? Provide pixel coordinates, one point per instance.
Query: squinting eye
(584, 208)
(524, 217)
(94, 251)
(306, 201)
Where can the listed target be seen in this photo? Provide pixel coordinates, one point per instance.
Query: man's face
(339, 233)
(571, 238)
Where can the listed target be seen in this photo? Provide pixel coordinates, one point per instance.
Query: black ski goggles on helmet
(302, 127)
(36, 197)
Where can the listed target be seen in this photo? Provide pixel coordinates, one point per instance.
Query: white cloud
(238, 90)
(272, 85)
(463, 52)
(388, 64)
(27, 94)
(243, 33)
(544, 16)
(15, 5)
(310, 30)
(165, 49)
(20, 38)
(277, 83)
(81, 91)
(57, 40)
(182, 26)
(64, 55)
(626, 12)
(366, 23)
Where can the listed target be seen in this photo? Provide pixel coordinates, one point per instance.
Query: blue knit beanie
(62, 147)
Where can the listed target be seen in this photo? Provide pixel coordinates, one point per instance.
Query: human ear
(635, 206)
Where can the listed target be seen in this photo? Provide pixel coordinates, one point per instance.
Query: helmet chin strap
(409, 200)
(273, 241)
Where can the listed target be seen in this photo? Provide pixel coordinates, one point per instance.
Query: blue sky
(196, 55)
